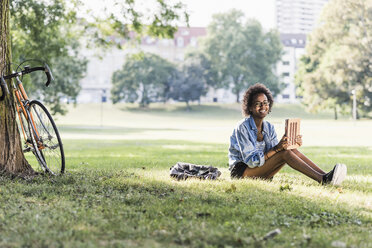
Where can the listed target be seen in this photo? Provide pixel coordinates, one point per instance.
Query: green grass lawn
(117, 191)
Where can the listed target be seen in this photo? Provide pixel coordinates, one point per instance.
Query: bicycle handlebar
(49, 75)
(28, 70)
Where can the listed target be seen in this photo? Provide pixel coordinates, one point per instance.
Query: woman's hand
(299, 140)
(283, 144)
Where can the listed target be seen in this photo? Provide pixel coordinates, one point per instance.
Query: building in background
(298, 16)
(294, 20)
(294, 48)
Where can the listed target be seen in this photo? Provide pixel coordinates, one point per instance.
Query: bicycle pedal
(54, 147)
(28, 149)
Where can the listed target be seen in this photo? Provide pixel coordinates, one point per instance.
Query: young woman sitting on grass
(255, 151)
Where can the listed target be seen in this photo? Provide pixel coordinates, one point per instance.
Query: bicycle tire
(49, 142)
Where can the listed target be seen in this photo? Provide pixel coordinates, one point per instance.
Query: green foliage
(338, 58)
(132, 20)
(241, 53)
(67, 71)
(210, 73)
(41, 28)
(144, 77)
(46, 30)
(188, 84)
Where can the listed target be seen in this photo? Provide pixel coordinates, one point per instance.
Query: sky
(201, 11)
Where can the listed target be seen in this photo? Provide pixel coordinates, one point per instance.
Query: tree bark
(238, 96)
(12, 159)
(335, 111)
(188, 108)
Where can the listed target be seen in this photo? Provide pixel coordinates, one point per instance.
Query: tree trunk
(238, 96)
(12, 159)
(335, 109)
(188, 108)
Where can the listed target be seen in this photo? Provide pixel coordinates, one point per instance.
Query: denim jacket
(243, 143)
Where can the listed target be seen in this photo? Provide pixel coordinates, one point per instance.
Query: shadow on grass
(197, 111)
(109, 130)
(126, 205)
(229, 110)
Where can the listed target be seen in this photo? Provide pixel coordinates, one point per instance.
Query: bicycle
(40, 133)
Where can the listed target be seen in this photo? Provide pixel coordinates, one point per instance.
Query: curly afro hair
(250, 94)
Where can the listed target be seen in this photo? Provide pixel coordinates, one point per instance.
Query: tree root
(24, 175)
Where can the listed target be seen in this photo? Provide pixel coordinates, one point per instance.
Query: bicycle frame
(22, 104)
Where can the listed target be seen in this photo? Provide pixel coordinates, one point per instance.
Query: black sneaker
(335, 176)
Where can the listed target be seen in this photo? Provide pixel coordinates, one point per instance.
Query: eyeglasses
(260, 104)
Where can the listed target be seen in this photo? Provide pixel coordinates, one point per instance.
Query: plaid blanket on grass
(182, 171)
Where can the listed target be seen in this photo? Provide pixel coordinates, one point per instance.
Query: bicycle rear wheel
(48, 139)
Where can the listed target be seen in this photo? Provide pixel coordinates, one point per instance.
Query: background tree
(144, 77)
(338, 58)
(209, 73)
(189, 83)
(47, 30)
(242, 53)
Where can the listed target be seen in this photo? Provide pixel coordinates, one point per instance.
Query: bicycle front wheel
(48, 139)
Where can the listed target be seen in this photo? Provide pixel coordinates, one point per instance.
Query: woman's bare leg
(276, 162)
(270, 175)
(266, 171)
(308, 161)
